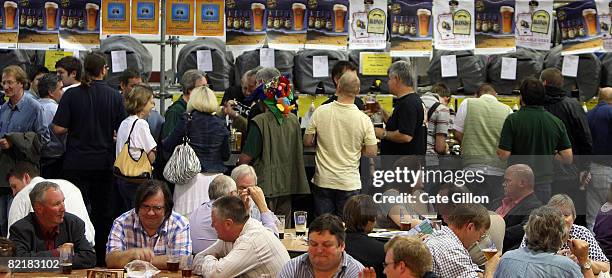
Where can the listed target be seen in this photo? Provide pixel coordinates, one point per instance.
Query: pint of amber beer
(298, 16)
(590, 19)
(258, 16)
(423, 15)
(92, 16)
(10, 9)
(339, 14)
(51, 14)
(506, 14)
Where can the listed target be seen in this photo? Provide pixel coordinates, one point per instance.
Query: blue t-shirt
(522, 262)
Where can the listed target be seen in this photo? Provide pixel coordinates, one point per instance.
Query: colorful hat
(277, 95)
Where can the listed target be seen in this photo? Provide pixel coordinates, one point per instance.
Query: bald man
(600, 123)
(343, 134)
(517, 203)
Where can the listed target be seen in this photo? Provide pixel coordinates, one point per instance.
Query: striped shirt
(255, 252)
(299, 267)
(450, 258)
(172, 235)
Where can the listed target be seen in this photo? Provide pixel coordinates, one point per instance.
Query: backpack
(137, 55)
(222, 75)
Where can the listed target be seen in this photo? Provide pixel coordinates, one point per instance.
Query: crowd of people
(545, 169)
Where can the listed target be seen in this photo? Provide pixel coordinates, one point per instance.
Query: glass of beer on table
(173, 262)
(186, 266)
(66, 254)
(299, 218)
(487, 246)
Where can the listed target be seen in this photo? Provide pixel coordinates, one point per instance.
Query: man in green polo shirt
(533, 136)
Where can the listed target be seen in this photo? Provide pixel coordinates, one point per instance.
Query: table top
(80, 273)
(293, 243)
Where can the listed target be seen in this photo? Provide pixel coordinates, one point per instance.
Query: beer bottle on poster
(230, 20)
(496, 27)
(412, 29)
(329, 24)
(270, 20)
(237, 20)
(395, 25)
(69, 22)
(277, 20)
(247, 21)
(30, 19)
(402, 26)
(479, 23)
(39, 20)
(317, 24)
(81, 23)
(22, 18)
(63, 19)
(311, 19)
(288, 20)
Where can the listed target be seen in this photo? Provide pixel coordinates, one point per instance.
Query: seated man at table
(245, 247)
(49, 229)
(448, 246)
(326, 256)
(407, 257)
(149, 232)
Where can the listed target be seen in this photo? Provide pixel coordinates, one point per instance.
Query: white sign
(508, 68)
(448, 65)
(320, 66)
(533, 24)
(453, 27)
(266, 57)
(570, 65)
(204, 60)
(118, 61)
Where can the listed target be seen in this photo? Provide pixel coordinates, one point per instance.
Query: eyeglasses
(156, 209)
(385, 264)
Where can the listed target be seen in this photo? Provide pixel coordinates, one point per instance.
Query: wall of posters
(579, 27)
(453, 24)
(179, 17)
(39, 23)
(210, 18)
(494, 26)
(411, 28)
(115, 17)
(368, 28)
(603, 12)
(9, 27)
(533, 23)
(82, 29)
(145, 17)
(246, 24)
(287, 24)
(327, 24)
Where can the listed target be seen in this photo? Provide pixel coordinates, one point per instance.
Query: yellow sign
(304, 102)
(512, 101)
(375, 63)
(179, 18)
(209, 17)
(52, 56)
(386, 102)
(219, 97)
(145, 17)
(115, 17)
(591, 103)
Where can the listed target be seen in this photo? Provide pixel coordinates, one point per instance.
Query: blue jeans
(331, 200)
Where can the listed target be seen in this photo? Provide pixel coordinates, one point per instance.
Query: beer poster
(9, 25)
(81, 30)
(603, 11)
(580, 31)
(411, 28)
(39, 24)
(210, 18)
(145, 17)
(286, 24)
(453, 24)
(116, 17)
(246, 24)
(368, 28)
(534, 24)
(494, 26)
(327, 24)
(179, 17)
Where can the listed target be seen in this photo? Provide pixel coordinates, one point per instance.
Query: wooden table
(294, 245)
(81, 273)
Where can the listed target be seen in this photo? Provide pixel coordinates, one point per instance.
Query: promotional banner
(286, 24)
(82, 29)
(579, 27)
(327, 24)
(116, 17)
(495, 26)
(145, 17)
(411, 28)
(9, 26)
(368, 28)
(603, 10)
(39, 24)
(179, 18)
(534, 24)
(210, 18)
(246, 24)
(453, 24)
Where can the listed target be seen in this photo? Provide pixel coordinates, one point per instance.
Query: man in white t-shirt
(343, 134)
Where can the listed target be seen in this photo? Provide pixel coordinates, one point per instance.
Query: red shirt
(49, 235)
(508, 204)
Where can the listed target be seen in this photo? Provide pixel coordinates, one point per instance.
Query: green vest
(280, 167)
(482, 129)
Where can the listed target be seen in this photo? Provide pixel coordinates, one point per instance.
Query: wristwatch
(586, 265)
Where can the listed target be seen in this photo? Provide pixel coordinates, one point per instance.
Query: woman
(138, 104)
(359, 216)
(603, 226)
(208, 137)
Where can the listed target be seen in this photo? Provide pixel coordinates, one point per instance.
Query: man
(279, 167)
(50, 92)
(545, 233)
(253, 196)
(24, 176)
(202, 232)
(338, 70)
(35, 73)
(533, 136)
(245, 248)
(69, 69)
(517, 203)
(236, 100)
(49, 229)
(127, 80)
(405, 130)
(326, 256)
(407, 257)
(91, 114)
(478, 125)
(190, 79)
(466, 225)
(600, 122)
(150, 232)
(343, 135)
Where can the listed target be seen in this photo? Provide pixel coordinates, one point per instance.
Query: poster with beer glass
(368, 28)
(327, 22)
(533, 22)
(603, 11)
(286, 24)
(38, 24)
(9, 24)
(116, 17)
(453, 24)
(81, 30)
(179, 17)
(210, 18)
(579, 27)
(410, 27)
(494, 26)
(145, 17)
(246, 24)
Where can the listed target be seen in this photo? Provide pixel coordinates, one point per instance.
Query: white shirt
(73, 202)
(256, 251)
(141, 138)
(71, 86)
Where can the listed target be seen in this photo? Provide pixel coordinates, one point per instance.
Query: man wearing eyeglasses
(150, 232)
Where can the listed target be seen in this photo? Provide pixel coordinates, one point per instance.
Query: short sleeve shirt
(407, 118)
(140, 139)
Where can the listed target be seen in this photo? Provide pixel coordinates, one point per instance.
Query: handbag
(130, 169)
(184, 164)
